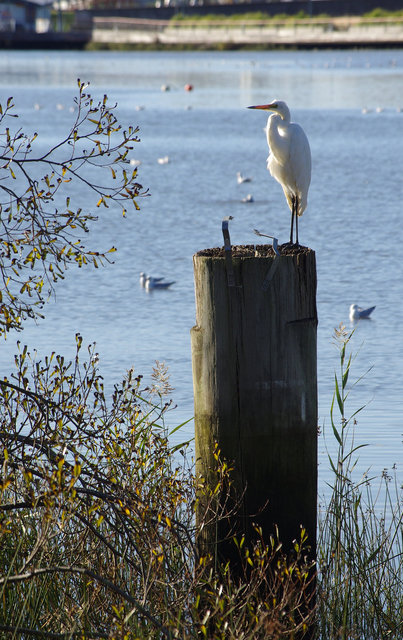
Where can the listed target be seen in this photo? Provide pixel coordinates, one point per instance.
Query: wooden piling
(255, 389)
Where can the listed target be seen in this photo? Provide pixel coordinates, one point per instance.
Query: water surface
(349, 105)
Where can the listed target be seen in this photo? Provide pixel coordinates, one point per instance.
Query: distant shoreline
(120, 32)
(314, 33)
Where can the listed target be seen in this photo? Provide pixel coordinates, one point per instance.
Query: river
(349, 103)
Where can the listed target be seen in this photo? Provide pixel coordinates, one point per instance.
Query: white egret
(358, 313)
(289, 161)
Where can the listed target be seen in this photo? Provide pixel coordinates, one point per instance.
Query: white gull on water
(157, 283)
(241, 179)
(248, 198)
(144, 277)
(358, 313)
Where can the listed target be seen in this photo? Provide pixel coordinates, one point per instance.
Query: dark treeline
(134, 9)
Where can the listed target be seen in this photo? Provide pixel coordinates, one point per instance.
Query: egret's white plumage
(289, 161)
(358, 313)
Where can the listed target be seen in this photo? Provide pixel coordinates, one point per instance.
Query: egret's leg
(296, 220)
(292, 219)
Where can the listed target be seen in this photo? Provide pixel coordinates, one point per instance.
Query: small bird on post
(289, 161)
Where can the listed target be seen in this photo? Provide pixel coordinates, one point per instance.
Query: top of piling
(254, 251)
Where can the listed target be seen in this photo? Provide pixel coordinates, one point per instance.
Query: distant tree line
(148, 8)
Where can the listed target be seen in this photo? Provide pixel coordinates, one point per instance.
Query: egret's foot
(294, 246)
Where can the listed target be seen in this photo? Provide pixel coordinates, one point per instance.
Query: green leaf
(345, 378)
(350, 453)
(338, 396)
(335, 432)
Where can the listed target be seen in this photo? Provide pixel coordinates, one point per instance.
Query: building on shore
(29, 16)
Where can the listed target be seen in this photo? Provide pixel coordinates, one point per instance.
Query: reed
(360, 546)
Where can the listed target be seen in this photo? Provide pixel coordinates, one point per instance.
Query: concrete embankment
(334, 32)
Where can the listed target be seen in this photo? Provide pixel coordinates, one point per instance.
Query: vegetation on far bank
(66, 19)
(263, 17)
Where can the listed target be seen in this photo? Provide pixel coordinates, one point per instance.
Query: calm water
(353, 220)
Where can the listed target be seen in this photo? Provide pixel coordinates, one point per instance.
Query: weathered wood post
(255, 388)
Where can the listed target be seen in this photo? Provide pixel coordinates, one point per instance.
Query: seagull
(241, 179)
(248, 198)
(156, 283)
(163, 160)
(144, 277)
(357, 313)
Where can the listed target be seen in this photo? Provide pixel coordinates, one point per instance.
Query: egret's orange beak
(265, 107)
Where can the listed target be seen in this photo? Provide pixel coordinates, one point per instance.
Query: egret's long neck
(277, 137)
